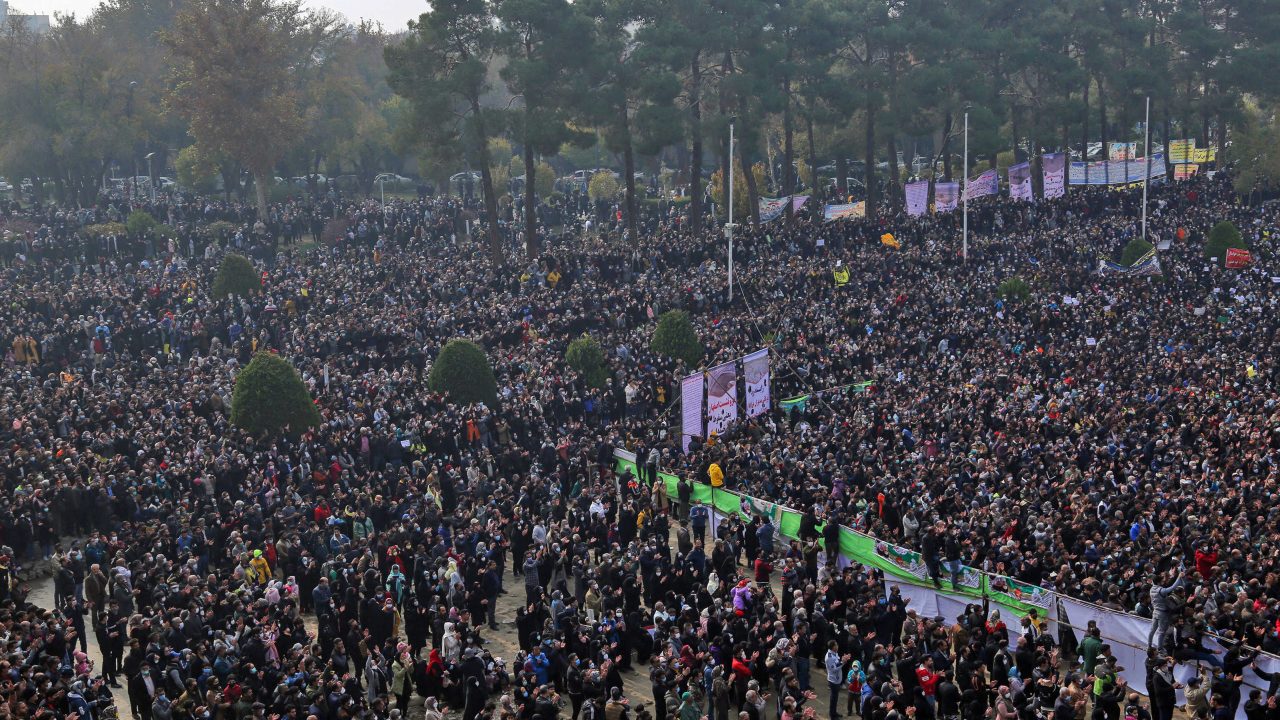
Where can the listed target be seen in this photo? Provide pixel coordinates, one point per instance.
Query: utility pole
(728, 228)
(964, 190)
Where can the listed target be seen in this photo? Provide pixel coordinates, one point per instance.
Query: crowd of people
(1111, 438)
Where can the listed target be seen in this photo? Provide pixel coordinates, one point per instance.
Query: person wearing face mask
(142, 693)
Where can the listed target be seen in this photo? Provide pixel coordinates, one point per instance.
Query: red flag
(1238, 258)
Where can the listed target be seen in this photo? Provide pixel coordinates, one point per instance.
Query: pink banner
(988, 183)
(722, 397)
(691, 408)
(1020, 181)
(946, 196)
(917, 198)
(1054, 166)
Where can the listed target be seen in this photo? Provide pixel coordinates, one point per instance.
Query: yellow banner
(1180, 150)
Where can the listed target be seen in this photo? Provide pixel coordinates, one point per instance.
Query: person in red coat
(1206, 559)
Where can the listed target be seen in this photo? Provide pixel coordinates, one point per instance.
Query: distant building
(34, 23)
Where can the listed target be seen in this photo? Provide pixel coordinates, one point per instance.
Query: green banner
(897, 563)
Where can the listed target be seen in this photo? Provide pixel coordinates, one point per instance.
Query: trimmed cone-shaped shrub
(270, 398)
(585, 356)
(1014, 289)
(1223, 237)
(236, 276)
(139, 222)
(462, 372)
(675, 338)
(1134, 250)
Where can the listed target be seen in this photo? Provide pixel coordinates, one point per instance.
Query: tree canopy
(269, 397)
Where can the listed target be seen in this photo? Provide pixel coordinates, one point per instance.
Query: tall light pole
(728, 228)
(1146, 176)
(382, 188)
(964, 190)
(151, 178)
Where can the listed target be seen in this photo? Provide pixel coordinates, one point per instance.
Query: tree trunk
(1164, 131)
(531, 244)
(260, 189)
(842, 175)
(486, 184)
(695, 151)
(813, 156)
(1222, 136)
(1084, 126)
(629, 167)
(753, 191)
(788, 147)
(870, 155)
(1102, 130)
(895, 176)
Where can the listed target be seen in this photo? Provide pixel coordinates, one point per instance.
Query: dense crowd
(1110, 438)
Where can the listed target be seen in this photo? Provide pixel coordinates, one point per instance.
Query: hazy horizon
(393, 14)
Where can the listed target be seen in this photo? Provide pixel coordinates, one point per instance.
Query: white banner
(1126, 634)
(755, 368)
(917, 198)
(1020, 181)
(931, 603)
(722, 397)
(1054, 167)
(691, 408)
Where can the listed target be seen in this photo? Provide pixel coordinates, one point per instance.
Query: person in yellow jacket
(840, 274)
(261, 570)
(716, 475)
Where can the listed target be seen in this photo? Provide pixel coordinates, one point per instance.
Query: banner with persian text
(1054, 168)
(722, 397)
(840, 212)
(1020, 181)
(1116, 172)
(755, 369)
(988, 183)
(691, 408)
(917, 198)
(1180, 150)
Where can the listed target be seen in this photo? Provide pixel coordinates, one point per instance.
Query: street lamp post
(728, 228)
(382, 188)
(150, 177)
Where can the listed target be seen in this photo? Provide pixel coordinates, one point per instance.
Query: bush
(1134, 250)
(335, 230)
(236, 276)
(105, 229)
(603, 186)
(270, 398)
(1014, 289)
(1223, 237)
(585, 356)
(675, 338)
(140, 222)
(462, 372)
(220, 229)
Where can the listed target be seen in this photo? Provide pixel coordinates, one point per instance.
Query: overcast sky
(393, 14)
